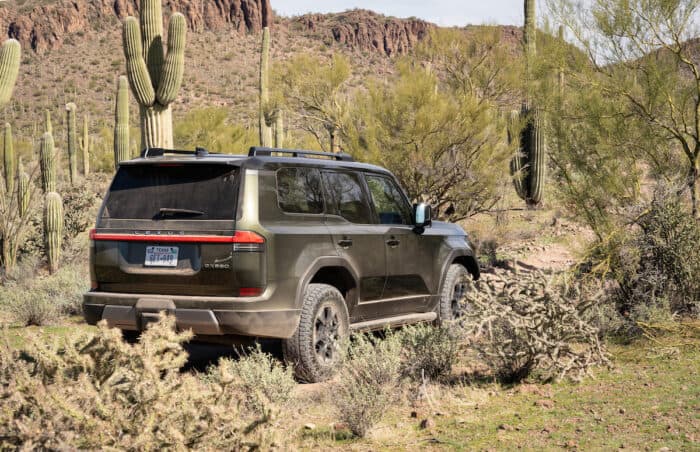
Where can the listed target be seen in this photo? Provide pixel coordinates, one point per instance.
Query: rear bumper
(212, 316)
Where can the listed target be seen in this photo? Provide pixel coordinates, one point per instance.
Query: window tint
(172, 192)
(347, 198)
(388, 201)
(299, 190)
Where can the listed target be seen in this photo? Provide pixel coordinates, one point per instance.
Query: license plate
(161, 256)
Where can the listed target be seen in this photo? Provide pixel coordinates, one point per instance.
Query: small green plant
(368, 382)
(262, 380)
(430, 352)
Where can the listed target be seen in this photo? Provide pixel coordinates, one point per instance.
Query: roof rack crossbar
(259, 151)
(159, 152)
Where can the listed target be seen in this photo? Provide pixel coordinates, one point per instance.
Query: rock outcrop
(368, 31)
(45, 26)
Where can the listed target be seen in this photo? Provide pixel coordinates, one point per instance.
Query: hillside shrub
(94, 391)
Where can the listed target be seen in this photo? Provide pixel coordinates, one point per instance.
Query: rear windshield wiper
(168, 211)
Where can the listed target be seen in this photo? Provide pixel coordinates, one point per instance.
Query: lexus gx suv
(302, 246)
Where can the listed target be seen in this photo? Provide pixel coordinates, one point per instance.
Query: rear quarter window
(299, 190)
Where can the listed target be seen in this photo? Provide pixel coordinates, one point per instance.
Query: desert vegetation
(570, 154)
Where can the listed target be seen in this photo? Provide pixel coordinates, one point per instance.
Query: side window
(347, 198)
(390, 204)
(299, 190)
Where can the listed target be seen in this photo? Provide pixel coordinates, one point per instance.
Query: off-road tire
(449, 308)
(305, 350)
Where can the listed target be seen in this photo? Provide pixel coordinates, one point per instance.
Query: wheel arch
(335, 272)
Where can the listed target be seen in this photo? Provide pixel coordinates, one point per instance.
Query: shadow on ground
(203, 354)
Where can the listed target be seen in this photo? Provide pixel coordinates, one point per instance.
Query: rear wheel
(453, 291)
(315, 347)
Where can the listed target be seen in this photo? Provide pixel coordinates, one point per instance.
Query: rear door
(357, 237)
(170, 229)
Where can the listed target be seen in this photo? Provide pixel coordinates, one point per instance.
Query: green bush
(368, 382)
(94, 391)
(429, 352)
(263, 381)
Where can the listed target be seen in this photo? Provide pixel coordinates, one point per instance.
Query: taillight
(239, 237)
(250, 291)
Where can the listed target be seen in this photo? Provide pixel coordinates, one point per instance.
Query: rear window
(164, 192)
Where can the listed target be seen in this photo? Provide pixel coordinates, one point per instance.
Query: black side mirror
(422, 217)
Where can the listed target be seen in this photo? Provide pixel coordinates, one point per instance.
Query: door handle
(345, 243)
(393, 243)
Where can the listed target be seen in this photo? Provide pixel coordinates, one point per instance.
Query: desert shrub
(33, 300)
(94, 391)
(429, 352)
(262, 380)
(660, 264)
(368, 382)
(527, 327)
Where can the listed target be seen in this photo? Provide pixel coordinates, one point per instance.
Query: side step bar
(390, 322)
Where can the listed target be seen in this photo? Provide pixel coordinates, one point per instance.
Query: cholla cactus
(47, 161)
(85, 146)
(10, 167)
(53, 229)
(72, 142)
(155, 79)
(121, 123)
(10, 53)
(264, 93)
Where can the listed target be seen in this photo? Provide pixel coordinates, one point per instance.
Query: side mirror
(422, 217)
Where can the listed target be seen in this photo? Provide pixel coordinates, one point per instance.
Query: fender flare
(318, 264)
(472, 265)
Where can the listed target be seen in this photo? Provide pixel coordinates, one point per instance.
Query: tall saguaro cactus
(10, 167)
(121, 123)
(72, 142)
(155, 78)
(529, 165)
(53, 229)
(47, 122)
(264, 94)
(10, 53)
(47, 161)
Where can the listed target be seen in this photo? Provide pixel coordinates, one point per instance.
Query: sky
(441, 12)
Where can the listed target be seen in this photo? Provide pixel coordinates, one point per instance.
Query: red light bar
(238, 237)
(249, 291)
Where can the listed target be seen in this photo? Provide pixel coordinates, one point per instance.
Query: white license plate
(161, 256)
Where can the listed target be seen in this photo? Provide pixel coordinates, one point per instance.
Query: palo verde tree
(643, 56)
(315, 94)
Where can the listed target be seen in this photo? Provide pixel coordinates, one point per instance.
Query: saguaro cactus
(10, 167)
(528, 166)
(279, 130)
(264, 94)
(121, 123)
(22, 190)
(47, 122)
(72, 142)
(53, 229)
(47, 161)
(85, 146)
(155, 79)
(10, 53)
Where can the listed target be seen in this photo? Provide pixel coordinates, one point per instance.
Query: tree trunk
(335, 141)
(693, 175)
(9, 258)
(156, 127)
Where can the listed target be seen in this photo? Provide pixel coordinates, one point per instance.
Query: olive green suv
(301, 246)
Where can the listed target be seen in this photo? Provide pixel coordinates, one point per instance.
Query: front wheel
(453, 291)
(315, 348)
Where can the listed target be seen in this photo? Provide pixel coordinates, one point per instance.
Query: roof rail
(159, 152)
(258, 151)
